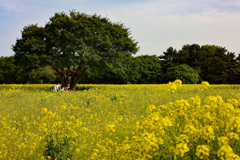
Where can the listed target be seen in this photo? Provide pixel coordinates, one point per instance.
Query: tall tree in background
(214, 63)
(168, 58)
(8, 70)
(71, 44)
(187, 74)
(144, 69)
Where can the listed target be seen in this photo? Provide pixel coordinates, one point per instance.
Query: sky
(155, 24)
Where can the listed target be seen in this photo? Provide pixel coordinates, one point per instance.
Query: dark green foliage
(113, 71)
(42, 75)
(145, 69)
(184, 72)
(12, 72)
(168, 58)
(7, 70)
(58, 147)
(214, 64)
(220, 65)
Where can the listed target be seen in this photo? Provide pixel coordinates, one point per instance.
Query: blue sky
(155, 24)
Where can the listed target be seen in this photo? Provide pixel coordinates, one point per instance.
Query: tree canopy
(187, 74)
(8, 70)
(214, 63)
(71, 44)
(144, 69)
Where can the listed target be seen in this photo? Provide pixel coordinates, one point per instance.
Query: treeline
(192, 64)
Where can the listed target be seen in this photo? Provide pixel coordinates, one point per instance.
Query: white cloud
(12, 5)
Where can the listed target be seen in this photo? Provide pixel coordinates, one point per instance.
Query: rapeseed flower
(172, 87)
(205, 85)
(208, 133)
(195, 102)
(110, 128)
(181, 149)
(234, 124)
(223, 141)
(182, 104)
(202, 151)
(150, 109)
(225, 152)
(190, 130)
(44, 110)
(178, 82)
(183, 138)
(233, 135)
(233, 102)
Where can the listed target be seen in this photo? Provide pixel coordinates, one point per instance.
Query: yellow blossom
(150, 109)
(205, 85)
(181, 149)
(208, 133)
(224, 151)
(233, 135)
(44, 110)
(223, 141)
(183, 138)
(202, 151)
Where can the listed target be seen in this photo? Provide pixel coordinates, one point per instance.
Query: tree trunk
(65, 82)
(62, 81)
(76, 78)
(73, 86)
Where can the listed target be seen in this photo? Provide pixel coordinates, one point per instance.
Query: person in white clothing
(56, 87)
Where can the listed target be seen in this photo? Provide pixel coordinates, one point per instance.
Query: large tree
(71, 44)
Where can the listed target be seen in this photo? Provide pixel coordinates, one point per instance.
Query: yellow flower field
(126, 122)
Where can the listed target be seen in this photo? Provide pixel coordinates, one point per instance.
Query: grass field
(167, 121)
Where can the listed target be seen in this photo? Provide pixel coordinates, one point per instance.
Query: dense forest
(192, 64)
